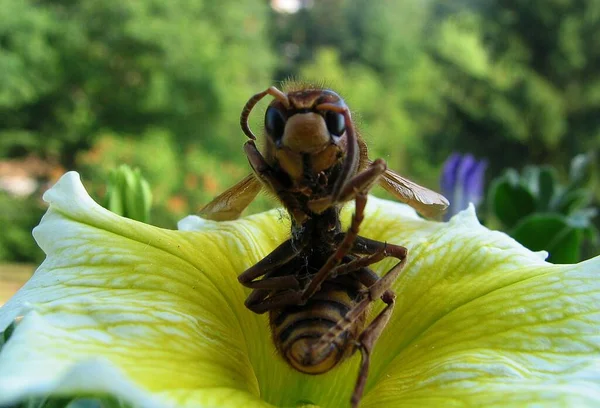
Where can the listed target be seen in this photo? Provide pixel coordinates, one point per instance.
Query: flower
(156, 318)
(462, 182)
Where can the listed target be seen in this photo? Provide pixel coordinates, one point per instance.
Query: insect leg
(360, 183)
(276, 282)
(368, 337)
(374, 252)
(377, 287)
(370, 246)
(358, 263)
(280, 255)
(363, 181)
(336, 258)
(367, 277)
(263, 300)
(341, 326)
(256, 297)
(366, 342)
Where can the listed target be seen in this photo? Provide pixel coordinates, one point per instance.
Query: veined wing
(230, 204)
(425, 201)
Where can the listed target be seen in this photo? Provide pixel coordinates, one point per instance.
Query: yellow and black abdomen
(296, 330)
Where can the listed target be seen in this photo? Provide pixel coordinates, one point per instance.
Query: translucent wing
(427, 202)
(232, 202)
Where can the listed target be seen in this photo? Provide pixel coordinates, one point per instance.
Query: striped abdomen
(297, 330)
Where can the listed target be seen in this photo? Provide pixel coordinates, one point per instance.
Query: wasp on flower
(318, 285)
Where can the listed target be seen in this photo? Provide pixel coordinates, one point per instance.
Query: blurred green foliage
(159, 86)
(544, 214)
(128, 194)
(521, 77)
(84, 402)
(18, 216)
(74, 69)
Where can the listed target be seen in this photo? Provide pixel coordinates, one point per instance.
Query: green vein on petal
(479, 319)
(482, 321)
(163, 307)
(452, 268)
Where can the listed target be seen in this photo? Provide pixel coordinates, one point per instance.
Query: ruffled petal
(482, 321)
(129, 309)
(156, 317)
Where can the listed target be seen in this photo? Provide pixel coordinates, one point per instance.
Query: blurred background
(492, 101)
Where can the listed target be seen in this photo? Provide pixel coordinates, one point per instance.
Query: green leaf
(5, 335)
(541, 181)
(566, 247)
(144, 198)
(510, 200)
(581, 170)
(547, 181)
(530, 179)
(552, 233)
(114, 200)
(128, 194)
(79, 402)
(572, 201)
(582, 219)
(96, 402)
(53, 403)
(85, 403)
(592, 234)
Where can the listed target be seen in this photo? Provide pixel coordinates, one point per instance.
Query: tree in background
(91, 85)
(521, 77)
(374, 53)
(516, 76)
(71, 69)
(159, 85)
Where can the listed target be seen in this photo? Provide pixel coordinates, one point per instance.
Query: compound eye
(274, 122)
(335, 123)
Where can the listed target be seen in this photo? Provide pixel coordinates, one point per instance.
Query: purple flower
(462, 182)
